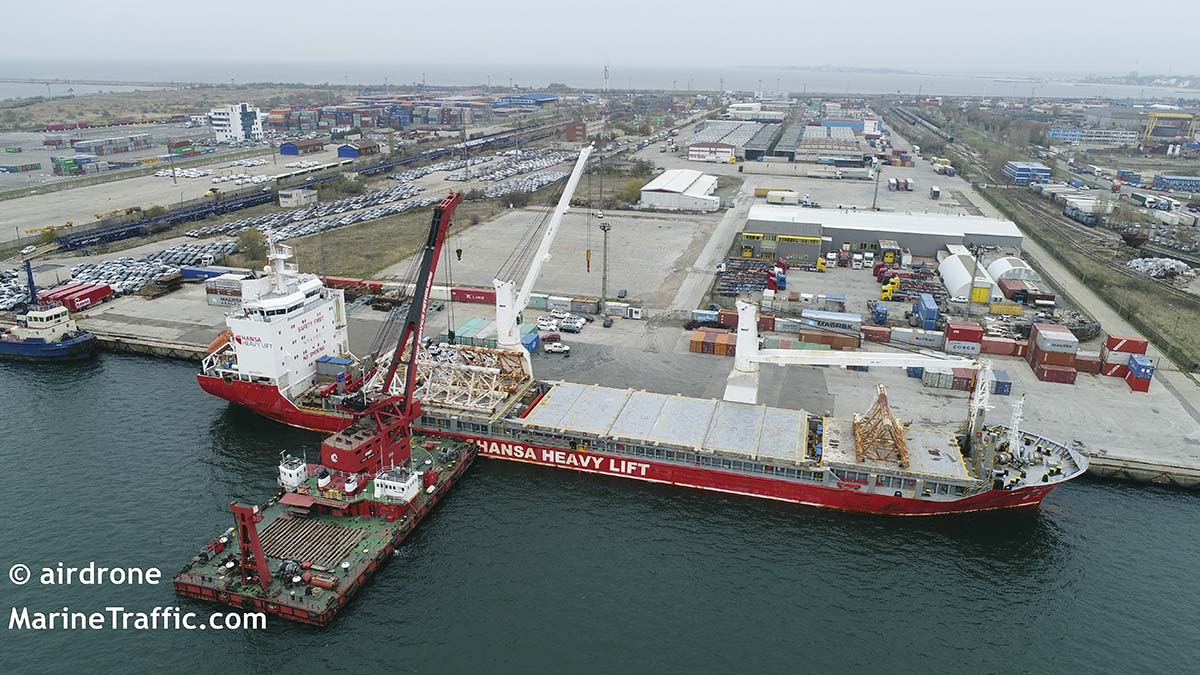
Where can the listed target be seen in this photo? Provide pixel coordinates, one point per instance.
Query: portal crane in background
(509, 301)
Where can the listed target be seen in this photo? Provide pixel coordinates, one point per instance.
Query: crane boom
(380, 437)
(509, 301)
(414, 324)
(742, 385)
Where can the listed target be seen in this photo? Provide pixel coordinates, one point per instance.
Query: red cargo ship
(872, 463)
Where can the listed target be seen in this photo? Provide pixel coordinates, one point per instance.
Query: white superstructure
(286, 322)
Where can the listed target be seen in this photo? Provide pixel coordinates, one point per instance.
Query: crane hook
(458, 253)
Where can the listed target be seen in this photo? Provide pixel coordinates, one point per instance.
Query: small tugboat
(45, 332)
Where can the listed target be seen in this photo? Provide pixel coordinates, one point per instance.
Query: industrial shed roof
(912, 223)
(732, 133)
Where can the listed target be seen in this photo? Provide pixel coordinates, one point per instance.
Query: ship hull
(75, 349)
(848, 496)
(207, 589)
(267, 401)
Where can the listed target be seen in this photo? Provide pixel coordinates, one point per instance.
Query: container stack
(788, 343)
(1089, 363)
(76, 296)
(224, 290)
(1052, 353)
(939, 377)
(713, 341)
(1116, 351)
(20, 168)
(1141, 370)
(963, 338)
(109, 146)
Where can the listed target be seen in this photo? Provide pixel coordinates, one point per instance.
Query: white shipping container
(558, 302)
(962, 347)
(918, 337)
(1063, 342)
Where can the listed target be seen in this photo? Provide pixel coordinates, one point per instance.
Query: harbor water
(125, 462)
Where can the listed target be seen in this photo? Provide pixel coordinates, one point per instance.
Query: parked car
(437, 307)
(28, 249)
(557, 348)
(608, 322)
(622, 293)
(551, 337)
(547, 324)
(559, 314)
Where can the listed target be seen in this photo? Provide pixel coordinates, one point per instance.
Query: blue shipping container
(1002, 386)
(1141, 366)
(915, 371)
(927, 308)
(189, 272)
(531, 342)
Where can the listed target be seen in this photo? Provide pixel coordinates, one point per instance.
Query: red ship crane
(380, 436)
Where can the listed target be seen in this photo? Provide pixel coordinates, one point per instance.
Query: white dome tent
(959, 274)
(1011, 267)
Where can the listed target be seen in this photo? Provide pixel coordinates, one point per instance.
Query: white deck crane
(742, 385)
(509, 301)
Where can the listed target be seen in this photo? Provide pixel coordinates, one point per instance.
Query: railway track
(1071, 232)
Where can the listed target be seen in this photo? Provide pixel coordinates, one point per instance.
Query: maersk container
(837, 320)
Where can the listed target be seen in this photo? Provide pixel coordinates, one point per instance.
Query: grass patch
(363, 250)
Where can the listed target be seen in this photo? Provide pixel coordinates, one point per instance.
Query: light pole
(604, 227)
(875, 197)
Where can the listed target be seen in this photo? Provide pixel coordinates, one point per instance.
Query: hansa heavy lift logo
(249, 341)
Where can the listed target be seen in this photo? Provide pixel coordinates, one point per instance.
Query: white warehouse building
(236, 123)
(681, 190)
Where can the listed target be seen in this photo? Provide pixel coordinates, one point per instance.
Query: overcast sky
(1102, 36)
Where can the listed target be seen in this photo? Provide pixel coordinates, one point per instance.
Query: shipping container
(833, 320)
(1129, 345)
(918, 337)
(1001, 383)
(554, 302)
(877, 333)
(1037, 357)
(1088, 363)
(82, 298)
(1052, 373)
(481, 296)
(961, 331)
(1114, 370)
(537, 300)
(728, 317)
(766, 322)
(1138, 384)
(914, 371)
(585, 305)
(998, 346)
(1141, 366)
(962, 348)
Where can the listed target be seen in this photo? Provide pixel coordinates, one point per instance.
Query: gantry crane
(509, 301)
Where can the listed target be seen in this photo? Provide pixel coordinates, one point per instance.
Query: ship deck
(931, 452)
(758, 432)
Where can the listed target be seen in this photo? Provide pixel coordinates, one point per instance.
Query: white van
(857, 261)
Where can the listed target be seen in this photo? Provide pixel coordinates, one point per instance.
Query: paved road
(703, 270)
